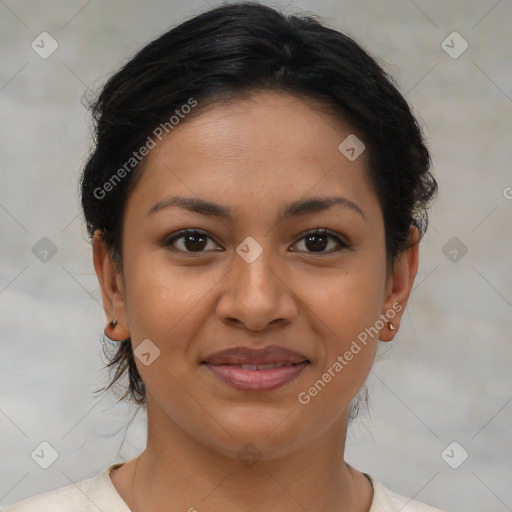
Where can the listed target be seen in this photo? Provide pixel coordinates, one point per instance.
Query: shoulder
(385, 500)
(87, 495)
(71, 497)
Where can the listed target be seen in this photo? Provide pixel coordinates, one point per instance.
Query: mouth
(257, 370)
(260, 367)
(257, 377)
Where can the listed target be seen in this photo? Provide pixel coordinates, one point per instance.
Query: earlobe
(400, 285)
(112, 291)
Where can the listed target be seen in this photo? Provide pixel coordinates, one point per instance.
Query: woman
(255, 198)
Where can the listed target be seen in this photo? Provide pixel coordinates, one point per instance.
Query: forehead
(271, 125)
(273, 145)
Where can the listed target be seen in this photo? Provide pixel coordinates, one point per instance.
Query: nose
(258, 294)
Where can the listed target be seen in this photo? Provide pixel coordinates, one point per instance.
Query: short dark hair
(237, 50)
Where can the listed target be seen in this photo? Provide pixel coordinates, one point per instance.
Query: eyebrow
(295, 209)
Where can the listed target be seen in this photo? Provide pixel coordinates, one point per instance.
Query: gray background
(447, 376)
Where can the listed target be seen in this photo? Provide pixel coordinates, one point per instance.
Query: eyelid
(169, 239)
(340, 240)
(342, 244)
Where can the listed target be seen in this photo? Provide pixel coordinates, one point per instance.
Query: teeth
(262, 366)
(249, 366)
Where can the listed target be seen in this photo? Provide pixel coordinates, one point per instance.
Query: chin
(274, 432)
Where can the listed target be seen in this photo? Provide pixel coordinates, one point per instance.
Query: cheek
(354, 306)
(350, 338)
(348, 299)
(162, 297)
(347, 308)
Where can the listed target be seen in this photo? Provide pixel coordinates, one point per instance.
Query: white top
(99, 493)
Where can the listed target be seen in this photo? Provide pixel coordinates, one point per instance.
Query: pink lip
(256, 380)
(246, 355)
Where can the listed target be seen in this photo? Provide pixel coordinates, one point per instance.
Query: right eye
(189, 240)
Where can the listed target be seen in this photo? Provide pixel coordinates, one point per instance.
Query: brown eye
(317, 241)
(190, 240)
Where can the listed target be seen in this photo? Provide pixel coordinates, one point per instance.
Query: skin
(254, 156)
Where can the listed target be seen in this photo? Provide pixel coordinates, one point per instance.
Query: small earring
(391, 326)
(106, 337)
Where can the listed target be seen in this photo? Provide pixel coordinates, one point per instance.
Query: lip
(227, 366)
(246, 355)
(256, 380)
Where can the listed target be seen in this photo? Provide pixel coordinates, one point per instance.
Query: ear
(399, 286)
(112, 289)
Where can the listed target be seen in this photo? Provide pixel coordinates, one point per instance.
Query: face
(255, 274)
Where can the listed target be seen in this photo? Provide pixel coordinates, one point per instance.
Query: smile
(257, 377)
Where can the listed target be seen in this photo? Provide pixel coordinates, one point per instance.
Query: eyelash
(341, 244)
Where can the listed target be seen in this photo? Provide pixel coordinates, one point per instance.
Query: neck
(177, 472)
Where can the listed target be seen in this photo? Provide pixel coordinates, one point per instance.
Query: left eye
(193, 240)
(317, 240)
